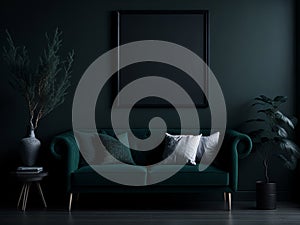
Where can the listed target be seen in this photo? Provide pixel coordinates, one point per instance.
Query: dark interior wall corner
(296, 183)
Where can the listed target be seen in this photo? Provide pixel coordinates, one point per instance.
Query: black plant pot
(265, 195)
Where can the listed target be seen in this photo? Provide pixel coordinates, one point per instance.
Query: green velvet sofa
(221, 176)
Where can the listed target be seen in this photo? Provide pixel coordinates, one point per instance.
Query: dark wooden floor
(243, 213)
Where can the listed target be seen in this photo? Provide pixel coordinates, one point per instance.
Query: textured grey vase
(30, 147)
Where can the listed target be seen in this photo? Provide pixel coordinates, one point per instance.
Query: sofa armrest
(241, 146)
(241, 143)
(64, 148)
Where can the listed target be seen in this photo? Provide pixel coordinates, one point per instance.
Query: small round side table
(28, 179)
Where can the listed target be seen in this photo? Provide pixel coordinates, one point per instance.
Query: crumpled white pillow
(180, 149)
(208, 145)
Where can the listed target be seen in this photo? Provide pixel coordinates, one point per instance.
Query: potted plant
(44, 87)
(272, 137)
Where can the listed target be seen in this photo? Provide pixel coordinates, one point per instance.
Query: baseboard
(251, 196)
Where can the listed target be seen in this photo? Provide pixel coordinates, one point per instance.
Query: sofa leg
(70, 202)
(227, 200)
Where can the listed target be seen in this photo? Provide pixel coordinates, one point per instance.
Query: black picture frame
(134, 25)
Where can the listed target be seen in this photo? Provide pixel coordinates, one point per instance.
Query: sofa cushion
(116, 149)
(180, 149)
(142, 158)
(189, 175)
(146, 158)
(87, 176)
(208, 145)
(86, 144)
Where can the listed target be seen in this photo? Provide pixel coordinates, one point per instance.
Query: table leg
(26, 196)
(41, 193)
(21, 194)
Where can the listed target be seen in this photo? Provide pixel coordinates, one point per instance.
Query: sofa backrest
(155, 155)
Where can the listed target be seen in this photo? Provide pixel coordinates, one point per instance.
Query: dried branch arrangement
(45, 87)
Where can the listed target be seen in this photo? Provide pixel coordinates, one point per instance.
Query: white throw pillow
(208, 145)
(86, 144)
(180, 149)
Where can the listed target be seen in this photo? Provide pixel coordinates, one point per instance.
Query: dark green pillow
(116, 149)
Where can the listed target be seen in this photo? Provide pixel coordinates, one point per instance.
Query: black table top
(29, 177)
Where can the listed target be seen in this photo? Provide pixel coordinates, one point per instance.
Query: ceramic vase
(29, 149)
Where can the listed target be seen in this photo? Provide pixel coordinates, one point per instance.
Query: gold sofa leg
(70, 202)
(227, 200)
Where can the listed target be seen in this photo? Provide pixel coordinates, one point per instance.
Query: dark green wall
(252, 52)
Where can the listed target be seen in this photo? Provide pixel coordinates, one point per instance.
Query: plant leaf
(279, 116)
(281, 99)
(255, 120)
(264, 99)
(289, 163)
(256, 132)
(268, 111)
(282, 132)
(265, 139)
(291, 146)
(257, 103)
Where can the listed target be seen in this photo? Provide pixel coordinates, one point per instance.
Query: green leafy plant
(272, 134)
(44, 87)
